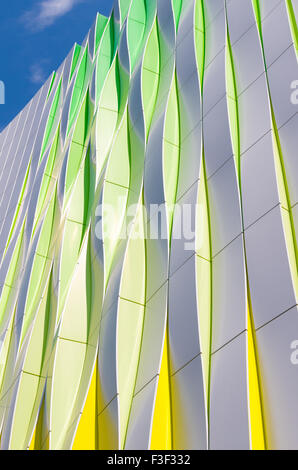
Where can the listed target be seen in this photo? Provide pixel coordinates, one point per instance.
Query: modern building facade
(148, 235)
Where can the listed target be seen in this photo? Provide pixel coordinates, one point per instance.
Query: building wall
(121, 332)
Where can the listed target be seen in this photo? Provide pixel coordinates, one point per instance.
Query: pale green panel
(82, 80)
(102, 69)
(69, 362)
(200, 53)
(27, 392)
(75, 58)
(129, 334)
(24, 187)
(47, 189)
(40, 341)
(101, 22)
(84, 120)
(75, 157)
(51, 85)
(72, 239)
(74, 324)
(137, 11)
(95, 292)
(77, 149)
(177, 6)
(135, 36)
(52, 119)
(171, 151)
(152, 55)
(150, 82)
(6, 296)
(106, 125)
(48, 182)
(134, 268)
(118, 170)
(39, 275)
(109, 99)
(14, 265)
(123, 87)
(107, 50)
(172, 126)
(124, 7)
(54, 152)
(200, 38)
(230, 83)
(78, 88)
(83, 193)
(203, 247)
(114, 208)
(200, 16)
(150, 76)
(110, 39)
(137, 157)
(170, 168)
(44, 242)
(4, 348)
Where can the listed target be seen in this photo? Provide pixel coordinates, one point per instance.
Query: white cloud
(46, 12)
(37, 74)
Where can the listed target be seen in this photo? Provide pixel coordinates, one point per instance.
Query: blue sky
(35, 37)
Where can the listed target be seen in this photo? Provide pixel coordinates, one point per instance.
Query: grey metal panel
(107, 368)
(190, 160)
(280, 76)
(11, 130)
(217, 150)
(153, 338)
(214, 82)
(267, 6)
(295, 217)
(224, 202)
(279, 380)
(135, 104)
(215, 31)
(186, 63)
(248, 58)
(229, 417)
(10, 151)
(253, 123)
(240, 18)
(295, 8)
(183, 328)
(153, 171)
(212, 9)
(3, 136)
(166, 23)
(229, 317)
(258, 180)
(110, 414)
(140, 423)
(189, 411)
(190, 105)
(184, 221)
(66, 70)
(271, 285)
(289, 143)
(186, 21)
(275, 44)
(157, 251)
